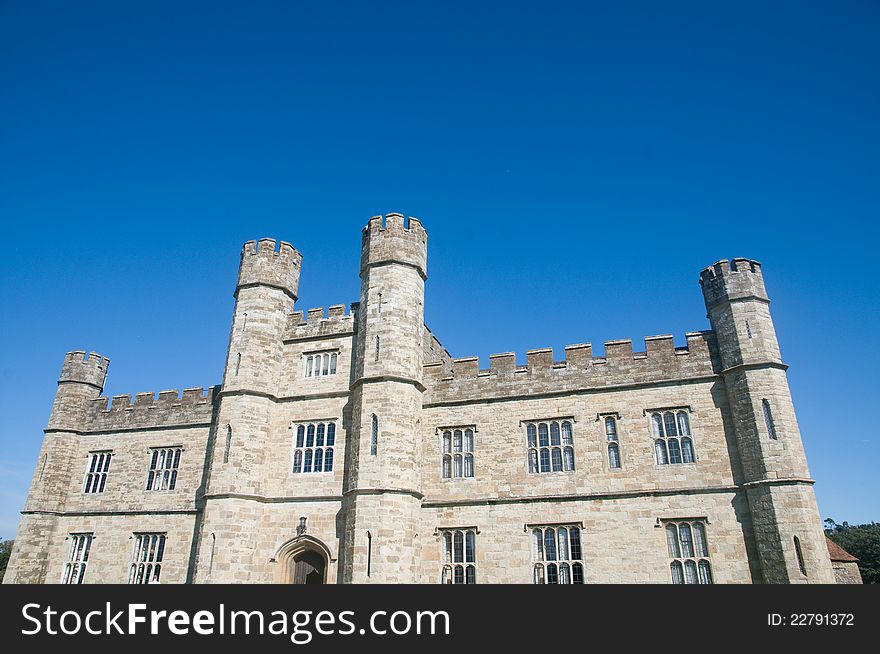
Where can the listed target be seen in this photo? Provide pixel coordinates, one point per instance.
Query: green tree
(5, 549)
(863, 542)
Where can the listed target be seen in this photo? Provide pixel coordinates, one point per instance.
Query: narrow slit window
(228, 444)
(374, 435)
(768, 419)
(800, 556)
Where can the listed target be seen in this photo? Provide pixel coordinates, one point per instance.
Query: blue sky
(576, 166)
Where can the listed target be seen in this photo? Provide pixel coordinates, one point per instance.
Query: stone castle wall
(236, 513)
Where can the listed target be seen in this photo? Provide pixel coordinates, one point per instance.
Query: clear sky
(576, 166)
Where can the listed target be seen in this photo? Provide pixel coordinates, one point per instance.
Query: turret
(383, 480)
(82, 380)
(785, 517)
(268, 282)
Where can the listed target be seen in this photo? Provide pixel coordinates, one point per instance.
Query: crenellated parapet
(318, 323)
(81, 369)
(733, 280)
(660, 361)
(264, 265)
(147, 410)
(393, 240)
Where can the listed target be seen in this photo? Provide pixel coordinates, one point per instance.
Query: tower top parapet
(82, 369)
(392, 239)
(732, 280)
(264, 265)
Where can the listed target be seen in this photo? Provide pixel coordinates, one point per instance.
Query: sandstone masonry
(348, 446)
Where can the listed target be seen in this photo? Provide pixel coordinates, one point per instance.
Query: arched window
(96, 474)
(688, 552)
(673, 442)
(320, 364)
(313, 447)
(768, 419)
(146, 558)
(549, 446)
(800, 556)
(237, 363)
(228, 444)
(162, 473)
(77, 558)
(613, 445)
(557, 555)
(613, 455)
(458, 556)
(374, 435)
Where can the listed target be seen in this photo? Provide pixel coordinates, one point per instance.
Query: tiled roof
(837, 552)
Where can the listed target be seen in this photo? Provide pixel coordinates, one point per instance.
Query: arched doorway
(303, 560)
(308, 568)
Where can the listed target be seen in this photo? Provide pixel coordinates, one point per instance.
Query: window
(688, 552)
(459, 556)
(96, 475)
(228, 443)
(800, 556)
(313, 448)
(374, 435)
(320, 364)
(673, 442)
(377, 348)
(146, 558)
(163, 468)
(768, 419)
(550, 446)
(77, 558)
(458, 452)
(557, 555)
(613, 444)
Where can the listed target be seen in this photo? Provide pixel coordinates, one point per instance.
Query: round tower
(383, 480)
(785, 518)
(268, 281)
(81, 382)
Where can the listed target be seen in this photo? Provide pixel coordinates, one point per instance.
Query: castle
(350, 447)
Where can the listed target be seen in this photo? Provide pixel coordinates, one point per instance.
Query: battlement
(263, 264)
(193, 406)
(91, 369)
(660, 361)
(316, 323)
(394, 240)
(737, 279)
